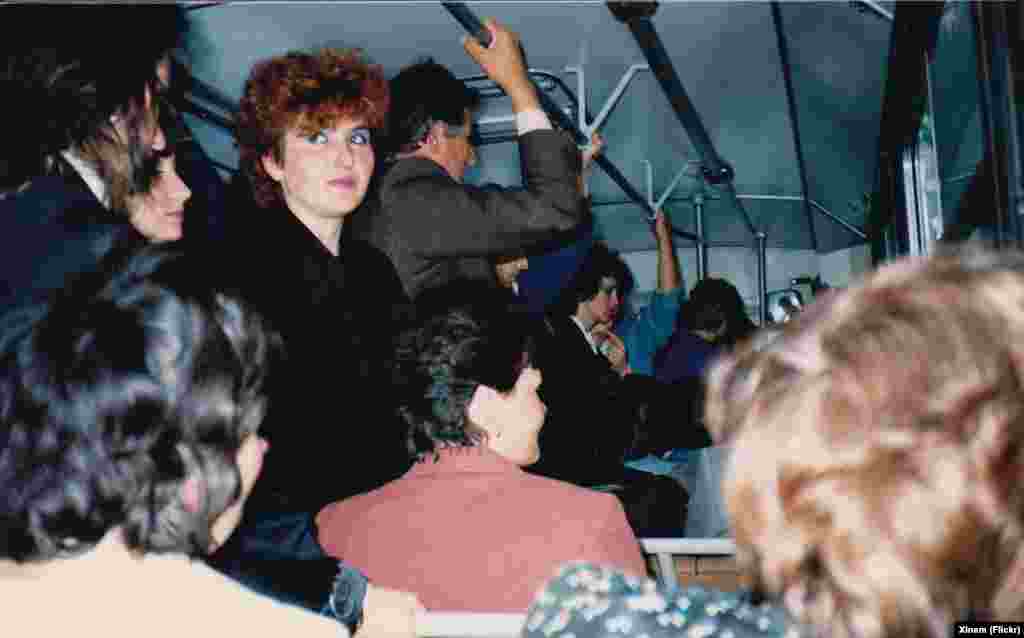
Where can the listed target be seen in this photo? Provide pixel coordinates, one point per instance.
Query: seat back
(438, 624)
(666, 549)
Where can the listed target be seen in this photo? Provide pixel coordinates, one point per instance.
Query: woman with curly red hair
(305, 131)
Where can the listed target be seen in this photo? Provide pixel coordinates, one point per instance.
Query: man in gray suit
(433, 227)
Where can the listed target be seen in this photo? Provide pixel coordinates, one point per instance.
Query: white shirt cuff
(531, 120)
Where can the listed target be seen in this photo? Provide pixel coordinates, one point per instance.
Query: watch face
(346, 601)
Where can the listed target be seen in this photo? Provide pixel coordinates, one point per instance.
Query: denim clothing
(279, 556)
(701, 472)
(646, 332)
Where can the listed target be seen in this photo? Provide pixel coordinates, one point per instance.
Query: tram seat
(437, 624)
(665, 551)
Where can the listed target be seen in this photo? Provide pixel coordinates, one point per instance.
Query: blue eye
(320, 137)
(361, 136)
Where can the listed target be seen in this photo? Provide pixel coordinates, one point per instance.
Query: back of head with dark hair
(599, 263)
(422, 94)
(467, 334)
(713, 304)
(114, 395)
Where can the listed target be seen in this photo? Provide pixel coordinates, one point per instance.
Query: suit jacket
(596, 419)
(53, 231)
(590, 425)
(473, 532)
(435, 229)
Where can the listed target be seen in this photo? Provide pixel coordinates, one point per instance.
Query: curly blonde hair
(308, 91)
(877, 444)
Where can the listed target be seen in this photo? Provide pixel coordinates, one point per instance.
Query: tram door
(957, 175)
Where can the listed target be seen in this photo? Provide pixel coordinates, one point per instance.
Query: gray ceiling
(725, 53)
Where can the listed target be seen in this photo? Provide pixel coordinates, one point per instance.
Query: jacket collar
(412, 167)
(87, 175)
(478, 459)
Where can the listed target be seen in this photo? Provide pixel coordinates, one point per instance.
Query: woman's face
(324, 175)
(159, 215)
(521, 416)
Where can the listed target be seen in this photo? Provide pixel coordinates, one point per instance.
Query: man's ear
(480, 410)
(272, 166)
(192, 494)
(438, 130)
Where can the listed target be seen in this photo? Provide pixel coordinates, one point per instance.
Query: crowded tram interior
(492, 319)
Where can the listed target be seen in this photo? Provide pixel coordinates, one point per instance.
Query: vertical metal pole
(702, 254)
(762, 277)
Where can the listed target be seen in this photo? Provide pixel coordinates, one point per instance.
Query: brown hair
(307, 91)
(877, 447)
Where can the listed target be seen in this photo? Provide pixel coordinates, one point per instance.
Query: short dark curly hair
(112, 396)
(600, 262)
(467, 334)
(310, 91)
(421, 94)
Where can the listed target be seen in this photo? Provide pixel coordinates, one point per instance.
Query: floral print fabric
(589, 601)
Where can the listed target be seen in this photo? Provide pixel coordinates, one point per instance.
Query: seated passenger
(873, 484)
(712, 320)
(129, 411)
(466, 529)
(600, 413)
(84, 95)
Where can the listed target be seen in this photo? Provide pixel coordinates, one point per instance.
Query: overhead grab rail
(465, 17)
(637, 16)
(668, 189)
(586, 125)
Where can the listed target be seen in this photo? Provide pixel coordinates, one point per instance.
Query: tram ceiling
(727, 56)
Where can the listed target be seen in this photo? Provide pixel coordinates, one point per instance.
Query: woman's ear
(481, 410)
(272, 166)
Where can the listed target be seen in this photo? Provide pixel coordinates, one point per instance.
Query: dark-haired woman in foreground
(129, 411)
(466, 529)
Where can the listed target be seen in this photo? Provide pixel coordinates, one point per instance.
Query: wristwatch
(347, 596)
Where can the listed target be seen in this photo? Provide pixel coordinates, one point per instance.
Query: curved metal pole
(877, 9)
(824, 211)
(839, 220)
(762, 277)
(471, 23)
(637, 16)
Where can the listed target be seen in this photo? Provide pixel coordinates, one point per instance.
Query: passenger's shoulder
(575, 497)
(547, 136)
